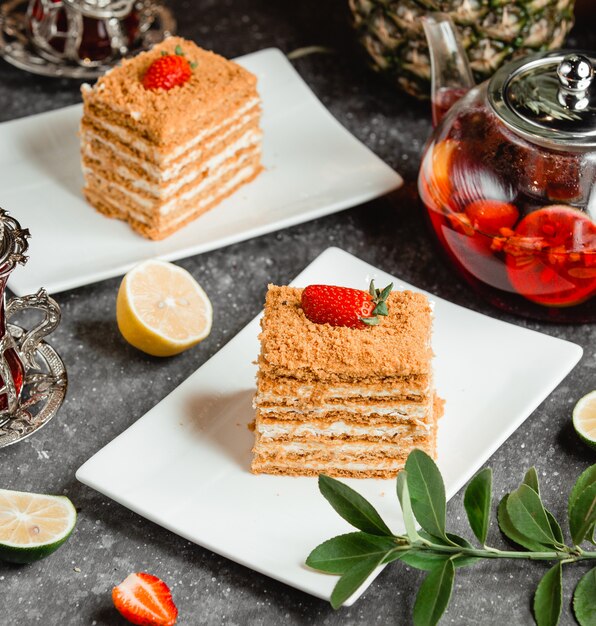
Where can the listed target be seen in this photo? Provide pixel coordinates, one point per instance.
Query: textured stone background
(112, 385)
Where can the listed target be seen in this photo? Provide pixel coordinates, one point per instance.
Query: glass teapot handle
(451, 75)
(30, 340)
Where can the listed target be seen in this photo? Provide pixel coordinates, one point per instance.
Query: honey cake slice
(158, 158)
(343, 401)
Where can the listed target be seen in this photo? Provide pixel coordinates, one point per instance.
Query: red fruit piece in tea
(551, 259)
(489, 216)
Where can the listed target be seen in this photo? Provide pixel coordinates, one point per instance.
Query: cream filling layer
(160, 157)
(385, 464)
(341, 393)
(164, 208)
(222, 190)
(160, 174)
(338, 449)
(411, 411)
(276, 431)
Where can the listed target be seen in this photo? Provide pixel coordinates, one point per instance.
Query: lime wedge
(33, 525)
(584, 419)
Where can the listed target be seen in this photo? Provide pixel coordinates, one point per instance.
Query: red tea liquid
(504, 213)
(13, 361)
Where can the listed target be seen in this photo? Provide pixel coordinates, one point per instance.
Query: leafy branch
(522, 518)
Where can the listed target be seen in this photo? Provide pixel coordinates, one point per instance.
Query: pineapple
(492, 31)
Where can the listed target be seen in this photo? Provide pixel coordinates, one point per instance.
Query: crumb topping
(398, 346)
(214, 81)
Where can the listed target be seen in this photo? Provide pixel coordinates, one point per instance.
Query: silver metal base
(44, 390)
(16, 47)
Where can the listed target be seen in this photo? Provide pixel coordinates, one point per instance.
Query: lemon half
(161, 309)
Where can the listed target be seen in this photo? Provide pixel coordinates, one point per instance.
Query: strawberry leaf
(371, 321)
(381, 309)
(385, 293)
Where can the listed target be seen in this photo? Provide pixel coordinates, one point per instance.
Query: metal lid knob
(575, 72)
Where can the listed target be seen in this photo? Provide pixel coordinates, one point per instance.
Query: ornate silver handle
(42, 301)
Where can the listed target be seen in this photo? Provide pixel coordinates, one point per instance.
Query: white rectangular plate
(185, 464)
(314, 167)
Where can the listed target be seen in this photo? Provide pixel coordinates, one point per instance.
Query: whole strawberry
(343, 306)
(168, 71)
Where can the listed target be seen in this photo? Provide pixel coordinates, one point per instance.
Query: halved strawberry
(145, 600)
(343, 306)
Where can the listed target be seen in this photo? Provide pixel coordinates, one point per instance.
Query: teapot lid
(548, 98)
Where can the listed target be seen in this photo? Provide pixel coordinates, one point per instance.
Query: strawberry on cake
(345, 382)
(167, 135)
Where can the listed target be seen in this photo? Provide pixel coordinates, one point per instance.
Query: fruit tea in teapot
(509, 178)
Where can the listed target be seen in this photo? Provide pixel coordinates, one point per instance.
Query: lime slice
(584, 419)
(33, 525)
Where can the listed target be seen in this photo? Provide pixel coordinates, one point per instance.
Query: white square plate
(314, 167)
(185, 464)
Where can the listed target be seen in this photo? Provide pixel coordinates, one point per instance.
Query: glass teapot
(508, 177)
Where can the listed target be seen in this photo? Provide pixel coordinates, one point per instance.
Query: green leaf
(509, 530)
(548, 599)
(582, 515)
(584, 482)
(426, 559)
(586, 479)
(555, 527)
(352, 580)
(372, 290)
(427, 492)
(338, 555)
(591, 535)
(584, 599)
(528, 516)
(531, 479)
(395, 555)
(178, 50)
(353, 507)
(406, 506)
(434, 594)
(477, 502)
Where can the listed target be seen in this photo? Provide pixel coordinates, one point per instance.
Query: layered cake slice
(167, 135)
(345, 382)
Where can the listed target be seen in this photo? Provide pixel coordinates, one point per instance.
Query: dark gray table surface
(112, 384)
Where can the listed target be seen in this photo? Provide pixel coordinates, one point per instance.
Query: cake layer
(387, 411)
(156, 161)
(335, 450)
(305, 460)
(153, 196)
(289, 391)
(113, 204)
(268, 429)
